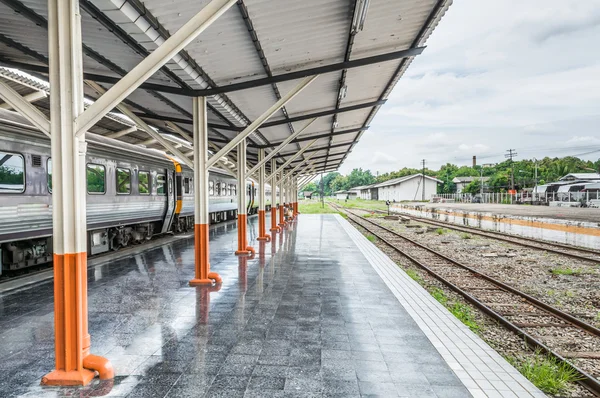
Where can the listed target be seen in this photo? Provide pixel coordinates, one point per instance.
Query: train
(133, 194)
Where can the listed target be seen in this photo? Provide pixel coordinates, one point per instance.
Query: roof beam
(143, 126)
(324, 113)
(283, 155)
(152, 63)
(411, 52)
(25, 108)
(279, 148)
(312, 137)
(275, 122)
(261, 120)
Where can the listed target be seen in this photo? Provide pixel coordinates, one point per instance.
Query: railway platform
(318, 311)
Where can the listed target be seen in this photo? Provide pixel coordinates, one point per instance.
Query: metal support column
(242, 220)
(281, 199)
(262, 229)
(274, 227)
(74, 363)
(202, 276)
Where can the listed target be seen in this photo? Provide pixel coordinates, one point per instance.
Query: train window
(211, 188)
(49, 172)
(160, 184)
(144, 182)
(96, 178)
(229, 190)
(223, 189)
(191, 185)
(123, 181)
(233, 190)
(186, 185)
(218, 189)
(12, 173)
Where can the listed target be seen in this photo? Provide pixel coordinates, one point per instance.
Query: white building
(343, 195)
(462, 182)
(407, 188)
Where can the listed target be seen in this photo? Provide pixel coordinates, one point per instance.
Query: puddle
(577, 233)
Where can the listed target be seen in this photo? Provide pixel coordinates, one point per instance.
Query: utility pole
(510, 155)
(423, 195)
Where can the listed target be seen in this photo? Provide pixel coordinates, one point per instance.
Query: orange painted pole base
(74, 364)
(242, 237)
(262, 234)
(68, 378)
(203, 276)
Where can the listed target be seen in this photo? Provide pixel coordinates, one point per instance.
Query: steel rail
(587, 380)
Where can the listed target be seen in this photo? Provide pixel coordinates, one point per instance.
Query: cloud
(583, 140)
(493, 79)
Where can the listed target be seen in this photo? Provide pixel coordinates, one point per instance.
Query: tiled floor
(308, 317)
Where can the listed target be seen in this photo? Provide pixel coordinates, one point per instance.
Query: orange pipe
(203, 276)
(101, 365)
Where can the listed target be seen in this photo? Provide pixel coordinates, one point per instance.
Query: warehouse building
(407, 188)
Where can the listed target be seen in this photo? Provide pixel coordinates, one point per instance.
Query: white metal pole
(274, 227)
(262, 227)
(74, 363)
(261, 119)
(242, 223)
(202, 276)
(152, 63)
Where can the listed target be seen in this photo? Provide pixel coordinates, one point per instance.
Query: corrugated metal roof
(395, 181)
(278, 36)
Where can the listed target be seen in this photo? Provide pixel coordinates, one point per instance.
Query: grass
(465, 235)
(565, 271)
(464, 314)
(414, 275)
(546, 373)
(441, 231)
(368, 215)
(371, 238)
(459, 310)
(314, 207)
(439, 295)
(361, 204)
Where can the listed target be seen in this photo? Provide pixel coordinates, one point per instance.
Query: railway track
(541, 326)
(580, 253)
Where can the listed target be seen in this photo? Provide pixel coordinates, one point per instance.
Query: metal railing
(574, 199)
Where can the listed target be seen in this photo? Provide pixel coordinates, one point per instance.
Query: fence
(584, 199)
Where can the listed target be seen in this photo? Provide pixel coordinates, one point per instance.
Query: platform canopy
(250, 57)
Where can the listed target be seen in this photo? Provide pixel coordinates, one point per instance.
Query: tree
(311, 187)
(358, 177)
(339, 183)
(474, 187)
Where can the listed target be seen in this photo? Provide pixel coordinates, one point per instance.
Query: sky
(510, 74)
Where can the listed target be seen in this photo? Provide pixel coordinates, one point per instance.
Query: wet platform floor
(307, 317)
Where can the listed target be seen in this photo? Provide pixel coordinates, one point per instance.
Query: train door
(171, 202)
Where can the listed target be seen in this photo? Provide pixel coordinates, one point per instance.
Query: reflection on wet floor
(307, 315)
